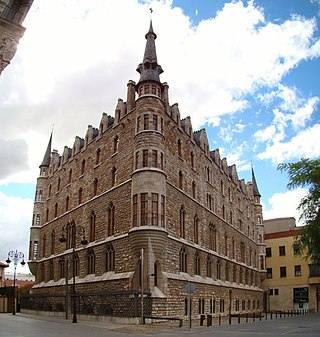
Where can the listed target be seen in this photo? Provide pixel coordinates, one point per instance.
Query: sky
(246, 71)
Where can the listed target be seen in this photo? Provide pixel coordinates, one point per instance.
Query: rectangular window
(145, 158)
(35, 250)
(137, 160)
(155, 122)
(154, 197)
(269, 272)
(135, 210)
(314, 270)
(276, 292)
(283, 271)
(154, 158)
(144, 209)
(300, 295)
(282, 250)
(163, 210)
(268, 252)
(145, 122)
(161, 161)
(297, 270)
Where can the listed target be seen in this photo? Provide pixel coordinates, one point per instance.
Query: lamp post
(16, 256)
(71, 230)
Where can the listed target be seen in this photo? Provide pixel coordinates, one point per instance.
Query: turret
(38, 208)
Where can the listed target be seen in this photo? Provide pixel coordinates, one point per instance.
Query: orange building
(292, 282)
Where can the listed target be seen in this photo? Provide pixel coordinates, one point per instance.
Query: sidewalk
(23, 325)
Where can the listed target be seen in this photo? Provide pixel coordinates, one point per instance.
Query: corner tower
(148, 179)
(38, 218)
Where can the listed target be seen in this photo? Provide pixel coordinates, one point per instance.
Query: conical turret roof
(47, 155)
(255, 186)
(149, 69)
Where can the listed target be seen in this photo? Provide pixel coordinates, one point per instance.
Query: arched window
(95, 187)
(51, 270)
(225, 244)
(55, 210)
(47, 215)
(53, 238)
(91, 260)
(209, 266)
(110, 214)
(70, 176)
(183, 260)
(92, 232)
(98, 156)
(192, 159)
(49, 193)
(80, 196)
(196, 228)
(113, 176)
(197, 263)
(182, 222)
(44, 245)
(115, 144)
(227, 272)
(218, 270)
(76, 265)
(58, 185)
(83, 166)
(110, 258)
(180, 180)
(212, 237)
(67, 203)
(193, 190)
(179, 148)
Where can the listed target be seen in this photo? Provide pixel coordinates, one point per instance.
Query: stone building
(158, 208)
(12, 14)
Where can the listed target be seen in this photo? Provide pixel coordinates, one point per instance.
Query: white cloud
(285, 205)
(68, 72)
(15, 225)
(305, 144)
(266, 134)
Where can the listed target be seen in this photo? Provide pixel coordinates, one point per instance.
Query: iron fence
(120, 303)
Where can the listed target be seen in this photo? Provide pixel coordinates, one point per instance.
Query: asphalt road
(22, 325)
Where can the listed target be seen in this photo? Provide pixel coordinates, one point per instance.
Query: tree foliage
(306, 173)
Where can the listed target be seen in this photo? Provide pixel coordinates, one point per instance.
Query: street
(22, 325)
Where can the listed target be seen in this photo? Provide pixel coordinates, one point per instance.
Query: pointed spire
(254, 184)
(47, 155)
(149, 69)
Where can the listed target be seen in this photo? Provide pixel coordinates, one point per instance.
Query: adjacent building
(292, 283)
(12, 15)
(141, 203)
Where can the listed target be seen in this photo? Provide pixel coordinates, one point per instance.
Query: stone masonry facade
(144, 182)
(12, 14)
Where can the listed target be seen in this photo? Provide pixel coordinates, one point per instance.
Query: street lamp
(16, 256)
(71, 231)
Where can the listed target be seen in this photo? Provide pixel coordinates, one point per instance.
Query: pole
(67, 290)
(189, 312)
(142, 286)
(14, 288)
(73, 232)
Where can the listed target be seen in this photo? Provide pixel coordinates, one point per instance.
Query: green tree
(306, 173)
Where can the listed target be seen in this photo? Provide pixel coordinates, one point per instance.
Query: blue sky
(247, 71)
